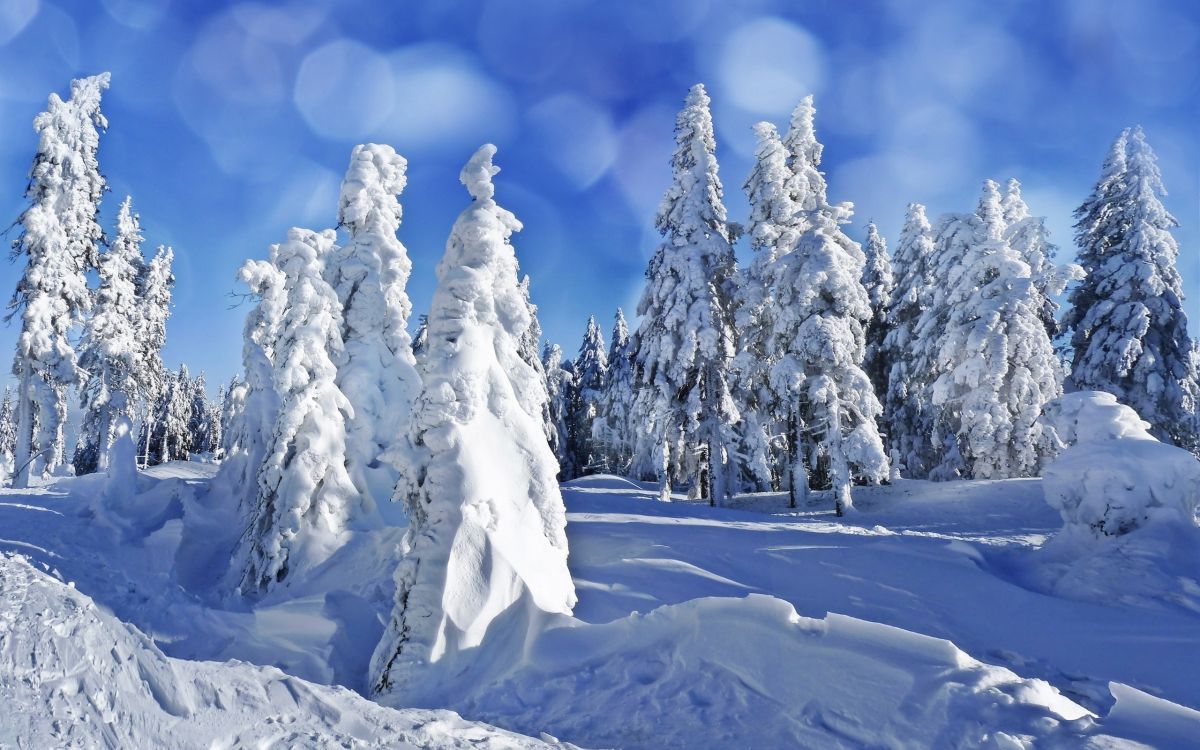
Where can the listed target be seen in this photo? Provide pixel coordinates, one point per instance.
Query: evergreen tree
(216, 424)
(530, 349)
(685, 342)
(169, 435)
(1128, 325)
(819, 333)
(612, 431)
(8, 427)
(249, 434)
(421, 340)
(774, 228)
(233, 407)
(880, 285)
(306, 499)
(110, 351)
(591, 376)
(378, 371)
(154, 290)
(200, 428)
(996, 365)
(907, 408)
(485, 549)
(59, 239)
(560, 389)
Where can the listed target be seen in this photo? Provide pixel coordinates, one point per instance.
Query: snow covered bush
(487, 542)
(1115, 477)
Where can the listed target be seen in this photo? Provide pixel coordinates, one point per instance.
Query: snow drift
(71, 674)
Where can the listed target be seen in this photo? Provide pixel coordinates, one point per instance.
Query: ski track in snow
(943, 560)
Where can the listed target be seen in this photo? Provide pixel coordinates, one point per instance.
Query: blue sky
(231, 122)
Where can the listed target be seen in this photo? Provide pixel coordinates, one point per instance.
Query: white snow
(761, 627)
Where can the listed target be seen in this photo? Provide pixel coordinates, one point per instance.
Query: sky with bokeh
(230, 122)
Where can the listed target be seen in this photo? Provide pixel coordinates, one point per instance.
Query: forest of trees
(816, 364)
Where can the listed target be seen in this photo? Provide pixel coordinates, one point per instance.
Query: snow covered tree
(995, 366)
(880, 284)
(306, 499)
(248, 437)
(685, 342)
(591, 375)
(421, 338)
(377, 372)
(216, 424)
(487, 537)
(60, 238)
(170, 437)
(560, 389)
(530, 350)
(818, 334)
(154, 290)
(8, 427)
(1028, 236)
(906, 406)
(111, 349)
(1129, 328)
(233, 406)
(612, 431)
(200, 427)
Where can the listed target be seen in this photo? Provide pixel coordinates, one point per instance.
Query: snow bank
(1115, 478)
(723, 672)
(71, 674)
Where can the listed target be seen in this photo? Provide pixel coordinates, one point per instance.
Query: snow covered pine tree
(613, 431)
(306, 499)
(377, 373)
(683, 409)
(560, 390)
(60, 238)
(487, 544)
(880, 284)
(154, 291)
(1129, 328)
(110, 350)
(591, 374)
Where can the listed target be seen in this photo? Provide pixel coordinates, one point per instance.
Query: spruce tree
(154, 290)
(560, 390)
(685, 342)
(880, 285)
(613, 431)
(111, 348)
(306, 499)
(820, 334)
(8, 427)
(995, 362)
(591, 376)
(1128, 325)
(60, 238)
(484, 551)
(906, 406)
(370, 272)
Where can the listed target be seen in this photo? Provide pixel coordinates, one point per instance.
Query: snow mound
(73, 675)
(1115, 478)
(724, 672)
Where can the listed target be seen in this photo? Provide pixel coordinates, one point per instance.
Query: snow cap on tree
(487, 550)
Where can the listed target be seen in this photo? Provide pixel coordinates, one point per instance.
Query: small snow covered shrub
(1115, 477)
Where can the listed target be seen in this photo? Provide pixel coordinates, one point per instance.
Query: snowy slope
(734, 646)
(71, 674)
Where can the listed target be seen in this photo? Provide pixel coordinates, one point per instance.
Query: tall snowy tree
(530, 350)
(60, 238)
(685, 342)
(613, 430)
(906, 405)
(880, 285)
(110, 350)
(591, 375)
(1129, 328)
(819, 333)
(560, 390)
(200, 427)
(420, 338)
(233, 406)
(306, 499)
(154, 290)
(996, 365)
(216, 424)
(487, 537)
(377, 372)
(169, 432)
(249, 436)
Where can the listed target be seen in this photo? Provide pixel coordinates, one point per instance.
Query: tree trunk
(839, 467)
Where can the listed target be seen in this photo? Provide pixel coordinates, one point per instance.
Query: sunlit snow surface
(932, 584)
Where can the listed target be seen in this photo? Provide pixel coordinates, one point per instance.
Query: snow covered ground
(947, 626)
